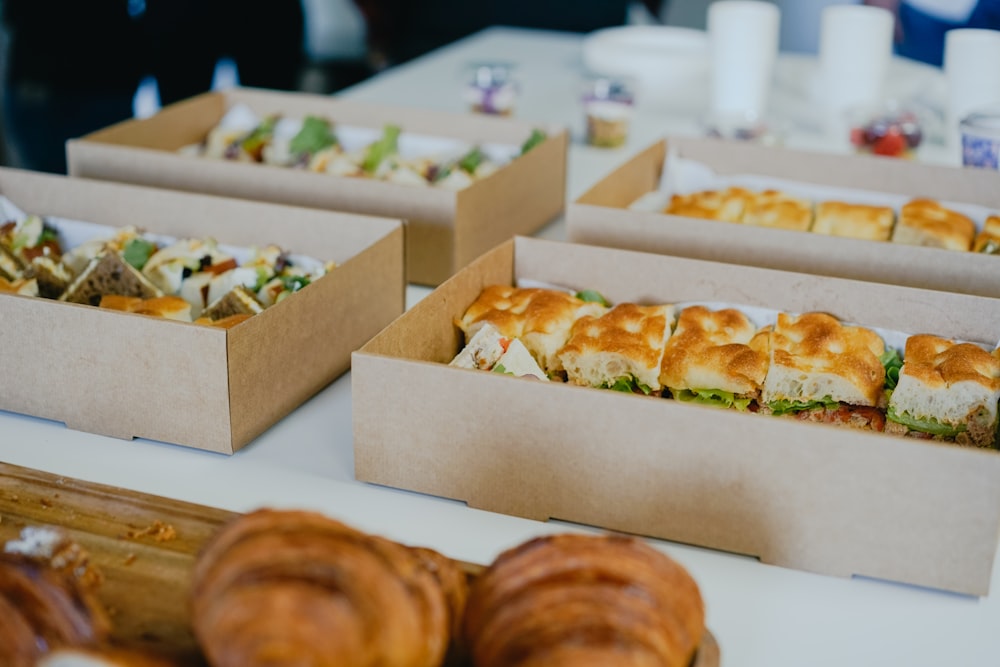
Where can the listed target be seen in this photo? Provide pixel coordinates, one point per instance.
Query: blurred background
(69, 67)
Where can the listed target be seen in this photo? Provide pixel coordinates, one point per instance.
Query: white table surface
(762, 615)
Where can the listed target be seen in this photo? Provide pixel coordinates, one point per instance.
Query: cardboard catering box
(444, 229)
(820, 498)
(128, 375)
(602, 216)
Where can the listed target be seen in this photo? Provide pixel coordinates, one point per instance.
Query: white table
(762, 615)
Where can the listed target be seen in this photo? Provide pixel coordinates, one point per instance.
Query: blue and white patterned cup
(981, 139)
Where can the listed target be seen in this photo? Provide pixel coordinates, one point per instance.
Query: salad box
(445, 228)
(128, 375)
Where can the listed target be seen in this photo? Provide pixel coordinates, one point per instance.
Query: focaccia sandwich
(715, 358)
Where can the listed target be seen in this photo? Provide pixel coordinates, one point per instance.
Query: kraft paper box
(832, 500)
(602, 216)
(444, 229)
(127, 375)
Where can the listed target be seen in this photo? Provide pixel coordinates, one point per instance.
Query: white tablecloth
(763, 616)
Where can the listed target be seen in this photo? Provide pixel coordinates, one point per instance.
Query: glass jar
(607, 106)
(981, 139)
(492, 89)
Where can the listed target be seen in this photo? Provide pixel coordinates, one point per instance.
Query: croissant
(42, 607)
(297, 588)
(582, 600)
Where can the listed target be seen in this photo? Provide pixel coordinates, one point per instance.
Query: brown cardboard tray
(808, 496)
(601, 215)
(146, 582)
(444, 229)
(128, 375)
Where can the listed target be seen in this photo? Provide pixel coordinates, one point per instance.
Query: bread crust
(715, 350)
(860, 221)
(813, 355)
(988, 240)
(774, 208)
(627, 340)
(541, 318)
(926, 222)
(726, 205)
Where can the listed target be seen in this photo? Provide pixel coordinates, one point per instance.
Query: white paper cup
(743, 38)
(855, 48)
(972, 69)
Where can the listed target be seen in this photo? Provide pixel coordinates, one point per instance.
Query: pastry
(333, 595)
(47, 598)
(581, 601)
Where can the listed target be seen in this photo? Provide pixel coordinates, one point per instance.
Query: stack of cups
(855, 48)
(972, 70)
(743, 37)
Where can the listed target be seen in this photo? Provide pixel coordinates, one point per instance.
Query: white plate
(670, 65)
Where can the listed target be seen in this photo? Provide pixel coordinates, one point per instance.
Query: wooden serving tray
(145, 547)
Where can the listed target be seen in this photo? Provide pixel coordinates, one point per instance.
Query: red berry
(858, 136)
(892, 144)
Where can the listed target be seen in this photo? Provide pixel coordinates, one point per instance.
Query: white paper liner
(685, 176)
(73, 233)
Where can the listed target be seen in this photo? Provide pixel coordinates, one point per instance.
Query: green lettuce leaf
(254, 142)
(385, 147)
(537, 137)
(315, 135)
(471, 160)
(892, 364)
(925, 425)
(592, 296)
(629, 384)
(137, 252)
(714, 397)
(784, 406)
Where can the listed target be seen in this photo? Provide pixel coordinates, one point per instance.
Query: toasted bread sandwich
(621, 349)
(947, 391)
(726, 205)
(108, 273)
(540, 318)
(859, 221)
(988, 240)
(489, 350)
(773, 208)
(925, 222)
(822, 370)
(715, 358)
